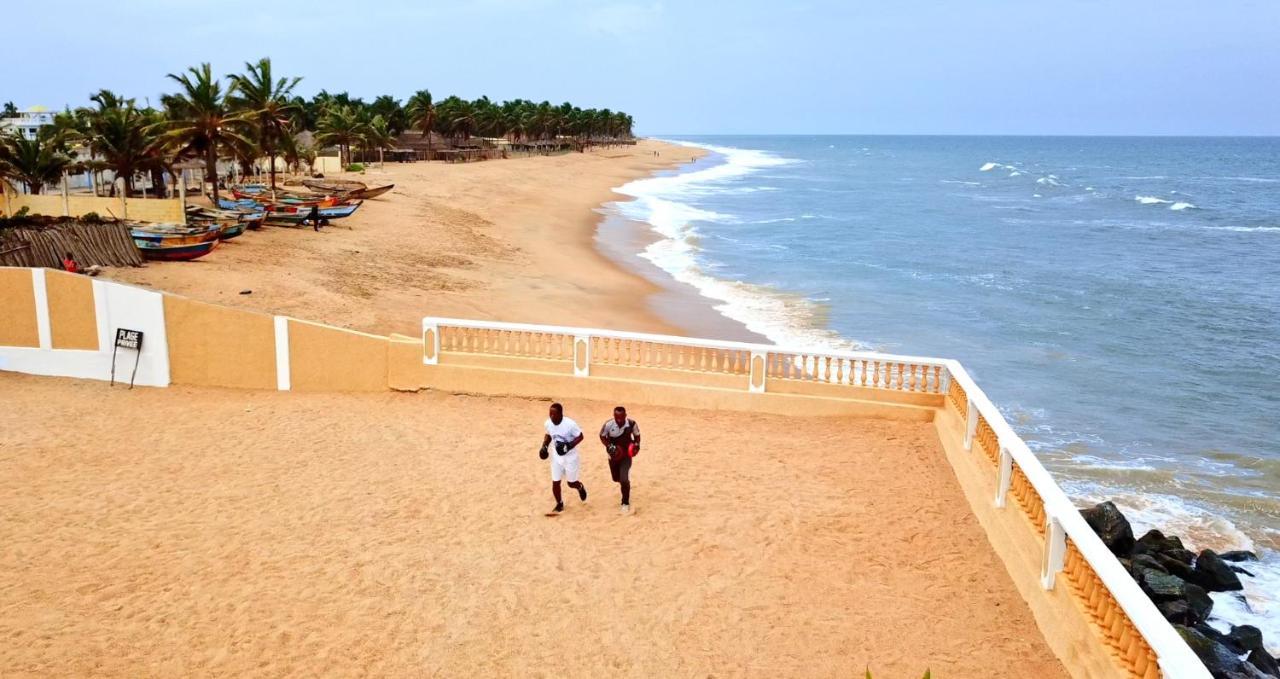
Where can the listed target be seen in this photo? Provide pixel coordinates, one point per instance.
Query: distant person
(314, 217)
(620, 437)
(565, 435)
(69, 264)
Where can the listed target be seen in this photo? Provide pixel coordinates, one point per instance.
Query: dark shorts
(621, 470)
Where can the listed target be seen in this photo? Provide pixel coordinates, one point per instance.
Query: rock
(1177, 612)
(1184, 555)
(1148, 561)
(1110, 525)
(1214, 574)
(1200, 602)
(1242, 571)
(1239, 555)
(1176, 567)
(1217, 658)
(1168, 589)
(1264, 662)
(1155, 542)
(1246, 638)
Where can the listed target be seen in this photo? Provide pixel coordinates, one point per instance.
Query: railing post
(582, 356)
(1055, 550)
(430, 343)
(757, 374)
(1006, 476)
(971, 424)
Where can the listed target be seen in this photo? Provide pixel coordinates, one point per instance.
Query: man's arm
(604, 440)
(574, 443)
(635, 433)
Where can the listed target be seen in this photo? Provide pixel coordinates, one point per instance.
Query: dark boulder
(1177, 612)
(1264, 662)
(1199, 602)
(1174, 566)
(1163, 588)
(1155, 542)
(1184, 555)
(1217, 658)
(1143, 561)
(1110, 525)
(1214, 574)
(1239, 555)
(1242, 571)
(1246, 638)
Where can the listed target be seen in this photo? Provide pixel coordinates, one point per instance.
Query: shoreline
(513, 240)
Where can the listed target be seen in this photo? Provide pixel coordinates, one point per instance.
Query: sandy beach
(223, 533)
(509, 240)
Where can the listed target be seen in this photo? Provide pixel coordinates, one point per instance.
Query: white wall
(117, 306)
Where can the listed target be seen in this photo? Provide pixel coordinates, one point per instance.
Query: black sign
(129, 339)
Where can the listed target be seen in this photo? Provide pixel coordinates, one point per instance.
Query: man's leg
(557, 470)
(624, 482)
(571, 469)
(555, 492)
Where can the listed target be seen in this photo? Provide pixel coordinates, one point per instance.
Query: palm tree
(377, 135)
(200, 121)
(264, 101)
(340, 126)
(421, 113)
(122, 135)
(392, 112)
(34, 162)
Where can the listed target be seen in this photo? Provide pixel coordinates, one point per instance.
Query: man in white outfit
(565, 434)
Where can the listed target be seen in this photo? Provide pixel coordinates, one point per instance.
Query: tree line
(255, 114)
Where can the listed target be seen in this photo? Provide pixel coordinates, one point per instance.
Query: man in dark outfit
(620, 437)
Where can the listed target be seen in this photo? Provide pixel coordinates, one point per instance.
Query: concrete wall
(73, 319)
(17, 300)
(217, 346)
(168, 210)
(324, 358)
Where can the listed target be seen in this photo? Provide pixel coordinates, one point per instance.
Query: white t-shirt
(566, 431)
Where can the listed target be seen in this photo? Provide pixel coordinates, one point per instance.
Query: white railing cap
(675, 339)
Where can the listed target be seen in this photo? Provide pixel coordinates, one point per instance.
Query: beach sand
(198, 532)
(509, 240)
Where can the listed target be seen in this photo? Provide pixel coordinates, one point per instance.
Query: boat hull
(176, 253)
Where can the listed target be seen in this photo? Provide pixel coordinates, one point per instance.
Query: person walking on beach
(620, 437)
(563, 436)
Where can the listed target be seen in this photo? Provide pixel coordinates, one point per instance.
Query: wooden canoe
(176, 253)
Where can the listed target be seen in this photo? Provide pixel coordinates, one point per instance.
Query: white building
(28, 122)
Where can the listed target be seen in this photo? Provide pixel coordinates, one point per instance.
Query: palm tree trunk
(211, 171)
(272, 159)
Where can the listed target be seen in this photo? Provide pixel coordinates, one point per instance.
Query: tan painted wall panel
(324, 358)
(143, 209)
(218, 346)
(73, 320)
(17, 309)
(1061, 620)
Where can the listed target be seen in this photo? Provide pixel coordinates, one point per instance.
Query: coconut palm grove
(255, 114)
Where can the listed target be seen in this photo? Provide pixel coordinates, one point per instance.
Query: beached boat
(176, 253)
(294, 214)
(174, 234)
(334, 185)
(357, 194)
(252, 219)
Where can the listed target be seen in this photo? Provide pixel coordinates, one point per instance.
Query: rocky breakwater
(1178, 581)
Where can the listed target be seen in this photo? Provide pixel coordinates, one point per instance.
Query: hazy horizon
(1076, 68)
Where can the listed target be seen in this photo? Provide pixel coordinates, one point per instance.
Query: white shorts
(565, 466)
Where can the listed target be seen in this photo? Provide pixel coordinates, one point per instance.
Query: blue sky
(695, 67)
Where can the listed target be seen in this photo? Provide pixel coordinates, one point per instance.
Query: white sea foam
(784, 319)
(1151, 200)
(1246, 229)
(1015, 173)
(987, 167)
(1182, 206)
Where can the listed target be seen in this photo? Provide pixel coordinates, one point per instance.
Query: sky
(1076, 67)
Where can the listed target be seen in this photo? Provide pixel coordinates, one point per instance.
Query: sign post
(127, 339)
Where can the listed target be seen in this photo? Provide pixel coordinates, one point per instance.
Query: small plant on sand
(355, 167)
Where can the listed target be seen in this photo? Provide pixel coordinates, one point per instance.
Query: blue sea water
(1118, 298)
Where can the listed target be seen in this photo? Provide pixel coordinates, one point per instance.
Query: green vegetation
(246, 116)
(355, 167)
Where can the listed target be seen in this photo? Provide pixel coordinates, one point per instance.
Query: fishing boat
(334, 185)
(176, 253)
(295, 214)
(268, 200)
(174, 234)
(357, 194)
(251, 218)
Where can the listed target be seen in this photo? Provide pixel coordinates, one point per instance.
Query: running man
(566, 435)
(620, 436)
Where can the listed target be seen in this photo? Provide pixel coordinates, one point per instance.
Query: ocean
(1117, 298)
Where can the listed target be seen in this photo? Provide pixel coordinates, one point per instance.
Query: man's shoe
(626, 509)
(582, 491)
(559, 508)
